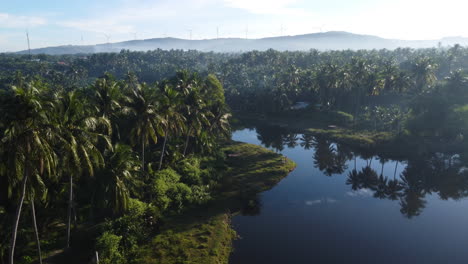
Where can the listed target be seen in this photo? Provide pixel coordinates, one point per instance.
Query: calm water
(324, 213)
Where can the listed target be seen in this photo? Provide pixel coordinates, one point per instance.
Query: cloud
(320, 201)
(313, 202)
(272, 7)
(133, 16)
(361, 192)
(13, 21)
(104, 26)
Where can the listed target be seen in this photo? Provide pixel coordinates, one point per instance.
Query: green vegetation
(98, 161)
(110, 151)
(204, 235)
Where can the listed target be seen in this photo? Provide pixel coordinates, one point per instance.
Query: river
(344, 206)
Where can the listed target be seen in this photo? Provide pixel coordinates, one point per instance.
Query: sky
(85, 22)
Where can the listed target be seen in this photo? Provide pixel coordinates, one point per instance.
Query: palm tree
(219, 120)
(29, 140)
(116, 177)
(80, 134)
(106, 96)
(141, 104)
(196, 114)
(423, 72)
(106, 100)
(36, 232)
(173, 121)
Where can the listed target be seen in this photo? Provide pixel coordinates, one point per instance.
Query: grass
(204, 235)
(299, 120)
(353, 138)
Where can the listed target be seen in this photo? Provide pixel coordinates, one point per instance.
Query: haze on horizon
(86, 22)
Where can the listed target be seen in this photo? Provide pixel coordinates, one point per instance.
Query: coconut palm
(172, 120)
(106, 96)
(80, 134)
(29, 139)
(141, 104)
(423, 72)
(116, 177)
(196, 114)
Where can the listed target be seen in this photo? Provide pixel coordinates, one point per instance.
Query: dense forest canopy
(356, 82)
(90, 137)
(80, 155)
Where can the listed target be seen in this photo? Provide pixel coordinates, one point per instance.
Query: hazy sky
(61, 22)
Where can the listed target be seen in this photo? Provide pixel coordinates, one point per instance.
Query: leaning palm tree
(80, 133)
(38, 189)
(29, 139)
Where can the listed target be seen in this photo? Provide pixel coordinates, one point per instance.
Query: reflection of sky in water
(310, 217)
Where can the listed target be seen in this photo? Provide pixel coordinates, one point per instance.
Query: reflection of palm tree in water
(307, 141)
(291, 140)
(328, 158)
(271, 137)
(421, 176)
(382, 161)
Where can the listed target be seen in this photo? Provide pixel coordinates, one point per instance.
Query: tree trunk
(396, 166)
(143, 154)
(70, 205)
(36, 232)
(187, 141)
(163, 150)
(17, 218)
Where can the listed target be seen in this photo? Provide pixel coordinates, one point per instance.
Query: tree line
(269, 81)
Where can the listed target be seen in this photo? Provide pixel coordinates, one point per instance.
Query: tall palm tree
(80, 134)
(172, 119)
(141, 103)
(29, 140)
(196, 114)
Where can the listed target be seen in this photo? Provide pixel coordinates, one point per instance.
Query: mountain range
(333, 40)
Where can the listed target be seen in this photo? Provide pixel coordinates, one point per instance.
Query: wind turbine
(29, 46)
(190, 32)
(107, 37)
(282, 29)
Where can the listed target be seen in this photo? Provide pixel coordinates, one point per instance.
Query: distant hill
(333, 40)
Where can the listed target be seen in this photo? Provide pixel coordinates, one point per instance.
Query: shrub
(108, 245)
(169, 192)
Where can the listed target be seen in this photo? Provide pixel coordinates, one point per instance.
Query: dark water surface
(327, 212)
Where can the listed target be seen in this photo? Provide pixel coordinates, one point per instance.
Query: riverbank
(337, 126)
(204, 235)
(340, 128)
